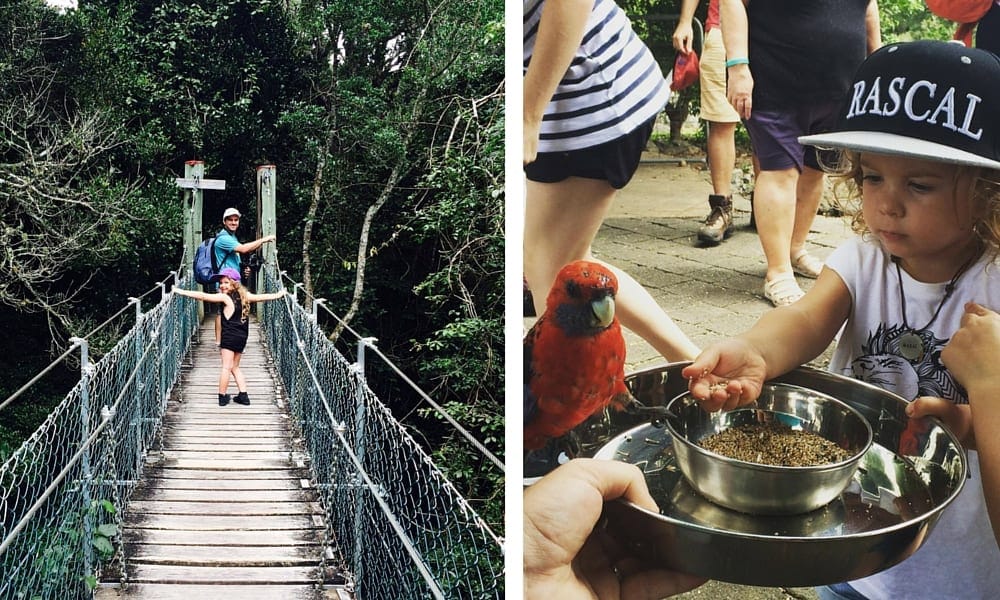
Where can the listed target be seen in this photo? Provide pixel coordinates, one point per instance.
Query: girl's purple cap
(227, 272)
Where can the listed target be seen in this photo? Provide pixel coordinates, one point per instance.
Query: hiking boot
(719, 223)
(223, 399)
(242, 398)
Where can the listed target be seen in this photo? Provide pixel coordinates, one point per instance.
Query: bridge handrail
(74, 345)
(443, 536)
(338, 429)
(67, 485)
(437, 407)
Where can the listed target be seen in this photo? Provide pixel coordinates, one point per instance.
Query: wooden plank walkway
(225, 508)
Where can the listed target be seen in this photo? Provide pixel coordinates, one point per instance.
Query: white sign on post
(198, 183)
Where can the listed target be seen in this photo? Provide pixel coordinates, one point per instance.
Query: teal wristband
(732, 62)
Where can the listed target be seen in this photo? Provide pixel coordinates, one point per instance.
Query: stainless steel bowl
(768, 489)
(911, 473)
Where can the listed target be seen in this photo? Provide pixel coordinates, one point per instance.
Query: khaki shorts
(712, 62)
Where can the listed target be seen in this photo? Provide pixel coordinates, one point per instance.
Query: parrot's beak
(604, 310)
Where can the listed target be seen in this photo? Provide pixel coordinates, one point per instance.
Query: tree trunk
(402, 166)
(317, 189)
(676, 115)
(359, 279)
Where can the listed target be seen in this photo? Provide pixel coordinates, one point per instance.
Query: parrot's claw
(653, 413)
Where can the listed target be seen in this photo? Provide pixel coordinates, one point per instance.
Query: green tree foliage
(356, 103)
(905, 20)
(403, 138)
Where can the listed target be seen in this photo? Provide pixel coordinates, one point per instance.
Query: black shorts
(233, 340)
(614, 161)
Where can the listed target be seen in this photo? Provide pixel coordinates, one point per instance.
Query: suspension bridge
(138, 485)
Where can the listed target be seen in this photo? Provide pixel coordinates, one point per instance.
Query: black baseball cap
(926, 99)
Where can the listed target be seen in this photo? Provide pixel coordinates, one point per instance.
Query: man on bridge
(227, 254)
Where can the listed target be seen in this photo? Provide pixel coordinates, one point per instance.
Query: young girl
(236, 302)
(921, 134)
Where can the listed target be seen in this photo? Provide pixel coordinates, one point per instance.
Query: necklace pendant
(911, 347)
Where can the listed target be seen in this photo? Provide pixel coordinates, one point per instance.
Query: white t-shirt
(960, 559)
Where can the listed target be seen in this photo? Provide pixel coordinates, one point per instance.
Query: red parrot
(574, 355)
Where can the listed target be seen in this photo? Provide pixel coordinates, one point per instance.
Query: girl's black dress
(234, 330)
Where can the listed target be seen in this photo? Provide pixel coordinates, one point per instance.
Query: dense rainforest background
(385, 122)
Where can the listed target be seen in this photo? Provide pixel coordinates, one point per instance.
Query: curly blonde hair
(847, 178)
(236, 287)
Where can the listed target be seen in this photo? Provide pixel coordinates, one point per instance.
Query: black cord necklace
(911, 344)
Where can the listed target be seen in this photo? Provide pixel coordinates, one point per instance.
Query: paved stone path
(711, 292)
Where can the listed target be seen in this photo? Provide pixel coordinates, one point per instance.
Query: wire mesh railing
(402, 528)
(63, 492)
(369, 344)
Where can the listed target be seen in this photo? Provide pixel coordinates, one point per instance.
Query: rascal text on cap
(913, 97)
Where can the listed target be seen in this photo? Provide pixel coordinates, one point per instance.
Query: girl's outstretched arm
(731, 372)
(204, 297)
(266, 297)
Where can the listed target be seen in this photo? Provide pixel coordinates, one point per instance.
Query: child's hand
(956, 417)
(726, 375)
(972, 352)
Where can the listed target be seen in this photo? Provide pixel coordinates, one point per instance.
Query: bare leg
(241, 381)
(561, 220)
(218, 327)
(721, 156)
(774, 206)
(809, 193)
(228, 358)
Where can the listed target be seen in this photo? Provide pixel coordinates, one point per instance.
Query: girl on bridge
(236, 301)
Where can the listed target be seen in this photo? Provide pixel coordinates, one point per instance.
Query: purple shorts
(615, 161)
(774, 135)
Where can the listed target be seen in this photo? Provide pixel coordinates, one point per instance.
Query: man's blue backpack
(204, 262)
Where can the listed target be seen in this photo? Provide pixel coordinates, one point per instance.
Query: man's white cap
(230, 212)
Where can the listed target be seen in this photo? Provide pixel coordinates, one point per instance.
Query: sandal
(782, 290)
(806, 264)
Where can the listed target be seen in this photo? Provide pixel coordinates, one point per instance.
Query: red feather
(574, 355)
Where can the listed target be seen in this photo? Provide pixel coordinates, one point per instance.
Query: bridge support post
(193, 183)
(315, 307)
(367, 341)
(85, 480)
(194, 170)
(135, 426)
(267, 183)
(360, 415)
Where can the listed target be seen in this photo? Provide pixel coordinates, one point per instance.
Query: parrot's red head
(582, 299)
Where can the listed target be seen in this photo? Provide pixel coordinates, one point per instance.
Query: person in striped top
(592, 92)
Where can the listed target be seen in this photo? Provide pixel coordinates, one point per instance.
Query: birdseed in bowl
(774, 444)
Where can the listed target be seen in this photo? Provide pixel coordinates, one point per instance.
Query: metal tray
(911, 473)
